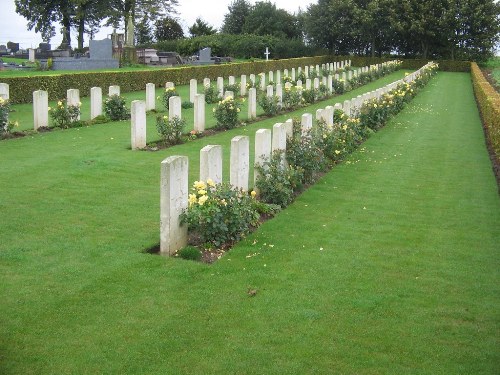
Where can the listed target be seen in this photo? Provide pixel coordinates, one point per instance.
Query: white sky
(13, 27)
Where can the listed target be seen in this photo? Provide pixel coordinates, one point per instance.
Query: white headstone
(193, 89)
(263, 141)
(4, 91)
(252, 103)
(114, 90)
(73, 98)
(31, 55)
(174, 107)
(279, 137)
(316, 83)
(220, 86)
(150, 96)
(95, 102)
(293, 74)
(279, 92)
(270, 91)
(278, 76)
(306, 122)
(173, 201)
(199, 112)
(211, 163)
(308, 84)
(271, 76)
(239, 162)
(243, 85)
(228, 94)
(40, 109)
(262, 82)
(206, 82)
(138, 124)
(169, 85)
(288, 124)
(231, 80)
(329, 84)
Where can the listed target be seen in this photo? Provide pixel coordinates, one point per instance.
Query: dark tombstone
(3, 48)
(101, 49)
(14, 47)
(204, 55)
(44, 47)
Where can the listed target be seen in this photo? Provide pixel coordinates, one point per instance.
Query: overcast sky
(13, 27)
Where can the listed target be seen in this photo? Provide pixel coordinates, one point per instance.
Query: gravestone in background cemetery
(204, 57)
(100, 57)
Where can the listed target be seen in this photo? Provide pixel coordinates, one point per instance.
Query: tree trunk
(81, 30)
(373, 47)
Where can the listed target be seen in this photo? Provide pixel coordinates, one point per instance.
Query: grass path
(389, 265)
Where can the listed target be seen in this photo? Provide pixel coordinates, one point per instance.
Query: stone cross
(267, 53)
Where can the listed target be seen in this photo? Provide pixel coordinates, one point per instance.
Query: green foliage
(115, 109)
(170, 131)
(488, 100)
(292, 98)
(234, 88)
(6, 126)
(265, 18)
(168, 28)
(64, 116)
(200, 28)
(277, 182)
(211, 94)
(310, 95)
(167, 94)
(234, 20)
(270, 104)
(226, 113)
(219, 213)
(186, 104)
(190, 253)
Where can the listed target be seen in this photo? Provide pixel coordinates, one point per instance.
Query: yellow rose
(337, 152)
(202, 200)
(253, 193)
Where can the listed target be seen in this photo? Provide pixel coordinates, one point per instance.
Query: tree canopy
(200, 28)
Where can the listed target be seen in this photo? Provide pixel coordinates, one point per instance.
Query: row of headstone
(174, 170)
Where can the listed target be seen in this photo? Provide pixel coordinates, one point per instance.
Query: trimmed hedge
(21, 88)
(488, 102)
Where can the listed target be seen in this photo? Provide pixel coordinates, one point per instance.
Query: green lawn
(389, 265)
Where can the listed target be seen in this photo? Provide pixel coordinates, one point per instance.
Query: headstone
(40, 109)
(206, 82)
(101, 49)
(306, 71)
(319, 114)
(316, 83)
(278, 76)
(231, 80)
(252, 103)
(252, 79)
(329, 83)
(239, 162)
(308, 84)
(193, 89)
(73, 98)
(138, 124)
(220, 86)
(243, 85)
(347, 108)
(44, 47)
(288, 124)
(262, 82)
(293, 74)
(174, 107)
(279, 137)
(306, 122)
(228, 94)
(199, 112)
(173, 201)
(4, 91)
(205, 55)
(31, 55)
(169, 85)
(285, 73)
(114, 90)
(95, 102)
(271, 76)
(150, 96)
(299, 83)
(328, 115)
(263, 140)
(211, 163)
(279, 93)
(270, 91)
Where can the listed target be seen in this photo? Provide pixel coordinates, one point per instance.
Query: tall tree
(168, 28)
(333, 24)
(200, 28)
(235, 18)
(266, 19)
(87, 17)
(143, 32)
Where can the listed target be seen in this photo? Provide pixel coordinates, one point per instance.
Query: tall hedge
(21, 88)
(488, 101)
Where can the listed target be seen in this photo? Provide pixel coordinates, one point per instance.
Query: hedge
(21, 88)
(488, 101)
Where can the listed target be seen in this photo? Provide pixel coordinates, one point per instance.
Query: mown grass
(388, 265)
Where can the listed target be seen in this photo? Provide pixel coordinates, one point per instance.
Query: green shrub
(187, 104)
(219, 213)
(64, 116)
(190, 253)
(170, 131)
(292, 98)
(277, 182)
(270, 104)
(226, 113)
(211, 94)
(234, 88)
(167, 94)
(115, 109)
(6, 126)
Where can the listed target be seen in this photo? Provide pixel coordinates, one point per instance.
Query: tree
(334, 25)
(42, 15)
(200, 28)
(265, 19)
(143, 32)
(168, 28)
(87, 17)
(235, 19)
